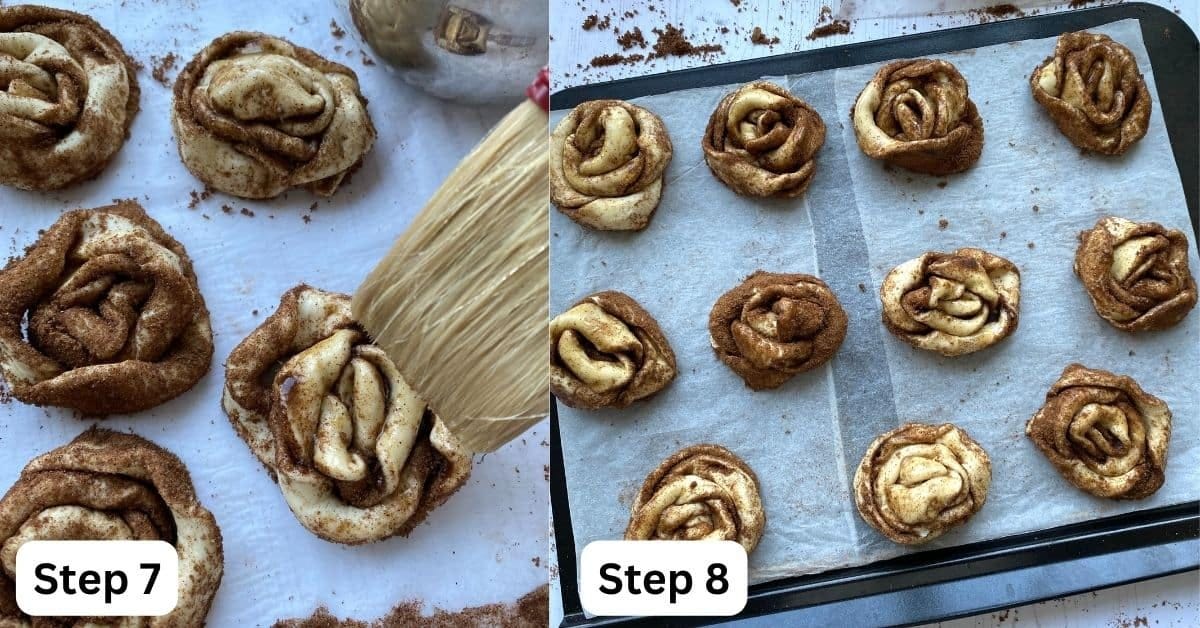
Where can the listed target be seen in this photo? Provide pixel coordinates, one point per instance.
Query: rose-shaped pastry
(607, 159)
(1136, 273)
(68, 95)
(1094, 93)
(773, 326)
(1103, 433)
(358, 455)
(103, 315)
(110, 486)
(918, 481)
(952, 303)
(762, 141)
(255, 115)
(700, 493)
(917, 115)
(607, 351)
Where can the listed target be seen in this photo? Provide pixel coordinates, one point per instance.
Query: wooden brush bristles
(460, 302)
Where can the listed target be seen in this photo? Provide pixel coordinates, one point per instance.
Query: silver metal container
(467, 51)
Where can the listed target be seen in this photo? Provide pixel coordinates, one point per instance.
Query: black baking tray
(980, 577)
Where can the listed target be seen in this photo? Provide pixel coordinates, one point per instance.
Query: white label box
(97, 578)
(667, 578)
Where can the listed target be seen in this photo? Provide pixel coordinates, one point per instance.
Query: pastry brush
(461, 301)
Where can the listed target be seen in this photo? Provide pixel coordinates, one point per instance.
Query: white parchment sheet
(1026, 199)
(489, 542)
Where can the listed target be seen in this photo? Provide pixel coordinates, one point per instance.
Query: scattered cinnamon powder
(1003, 10)
(246, 212)
(632, 38)
(531, 610)
(590, 22)
(673, 43)
(200, 197)
(1075, 4)
(227, 209)
(335, 30)
(836, 27)
(758, 37)
(162, 65)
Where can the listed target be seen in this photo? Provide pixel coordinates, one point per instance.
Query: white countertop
(1169, 601)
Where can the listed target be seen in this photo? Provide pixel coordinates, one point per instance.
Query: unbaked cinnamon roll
(918, 481)
(255, 115)
(103, 314)
(1103, 433)
(917, 114)
(1136, 273)
(952, 303)
(68, 95)
(110, 486)
(775, 325)
(700, 493)
(1094, 92)
(762, 141)
(608, 352)
(358, 455)
(607, 159)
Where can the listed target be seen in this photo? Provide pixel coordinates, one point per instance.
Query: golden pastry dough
(762, 141)
(358, 455)
(700, 493)
(607, 351)
(1094, 92)
(607, 159)
(110, 486)
(917, 114)
(1103, 433)
(68, 95)
(918, 481)
(255, 115)
(103, 315)
(1136, 273)
(775, 325)
(952, 303)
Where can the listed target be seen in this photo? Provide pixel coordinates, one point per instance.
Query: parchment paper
(489, 542)
(1026, 199)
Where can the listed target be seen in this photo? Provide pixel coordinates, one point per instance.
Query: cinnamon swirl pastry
(918, 481)
(255, 115)
(762, 141)
(775, 325)
(607, 159)
(103, 315)
(917, 114)
(1094, 92)
(68, 95)
(607, 351)
(700, 493)
(1136, 273)
(358, 455)
(952, 303)
(1103, 433)
(110, 486)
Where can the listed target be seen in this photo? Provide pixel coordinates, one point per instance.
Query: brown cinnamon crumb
(307, 218)
(758, 37)
(336, 30)
(837, 27)
(672, 42)
(1003, 10)
(590, 22)
(162, 65)
(632, 38)
(246, 212)
(616, 59)
(365, 59)
(1003, 234)
(1030, 245)
(862, 287)
(1036, 209)
(227, 209)
(943, 223)
(531, 610)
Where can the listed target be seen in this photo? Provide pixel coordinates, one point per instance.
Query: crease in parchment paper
(856, 222)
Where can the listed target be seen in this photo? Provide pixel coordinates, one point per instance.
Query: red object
(539, 90)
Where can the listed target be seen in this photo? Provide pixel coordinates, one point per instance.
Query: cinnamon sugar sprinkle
(533, 609)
